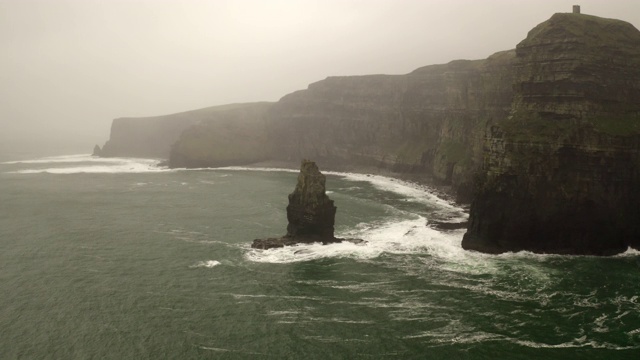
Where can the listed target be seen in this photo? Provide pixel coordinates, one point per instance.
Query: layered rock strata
(428, 122)
(311, 214)
(561, 174)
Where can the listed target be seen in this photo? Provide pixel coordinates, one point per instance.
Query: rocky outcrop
(311, 214)
(154, 136)
(97, 151)
(561, 173)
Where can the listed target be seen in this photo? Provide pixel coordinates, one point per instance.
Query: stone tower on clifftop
(576, 9)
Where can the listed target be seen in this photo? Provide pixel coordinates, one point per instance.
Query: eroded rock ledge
(311, 214)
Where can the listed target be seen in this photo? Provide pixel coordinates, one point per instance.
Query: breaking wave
(395, 237)
(87, 164)
(206, 264)
(63, 159)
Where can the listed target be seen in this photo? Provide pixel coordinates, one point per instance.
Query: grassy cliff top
(592, 30)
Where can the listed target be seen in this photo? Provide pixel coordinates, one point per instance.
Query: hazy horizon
(72, 66)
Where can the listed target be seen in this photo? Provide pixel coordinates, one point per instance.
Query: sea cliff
(428, 123)
(561, 172)
(543, 140)
(154, 136)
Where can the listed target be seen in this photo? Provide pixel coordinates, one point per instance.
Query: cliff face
(143, 137)
(234, 136)
(153, 136)
(427, 121)
(561, 173)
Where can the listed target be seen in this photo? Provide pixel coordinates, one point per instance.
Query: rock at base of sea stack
(311, 214)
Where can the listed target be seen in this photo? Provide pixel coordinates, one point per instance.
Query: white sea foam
(396, 236)
(440, 337)
(215, 349)
(457, 334)
(410, 190)
(75, 164)
(223, 350)
(629, 253)
(333, 339)
(404, 236)
(263, 169)
(60, 159)
(577, 343)
(393, 237)
(206, 264)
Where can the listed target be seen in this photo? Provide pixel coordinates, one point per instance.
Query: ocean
(123, 259)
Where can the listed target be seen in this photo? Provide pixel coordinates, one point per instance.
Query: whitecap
(206, 264)
(215, 349)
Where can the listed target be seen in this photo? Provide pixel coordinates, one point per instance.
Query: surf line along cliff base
(311, 214)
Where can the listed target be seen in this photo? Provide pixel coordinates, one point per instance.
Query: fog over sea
(122, 259)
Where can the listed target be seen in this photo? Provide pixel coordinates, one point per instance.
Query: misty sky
(68, 67)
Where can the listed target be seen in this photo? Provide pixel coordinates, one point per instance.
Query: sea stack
(311, 214)
(97, 151)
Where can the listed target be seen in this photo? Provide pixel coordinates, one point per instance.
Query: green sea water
(121, 259)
